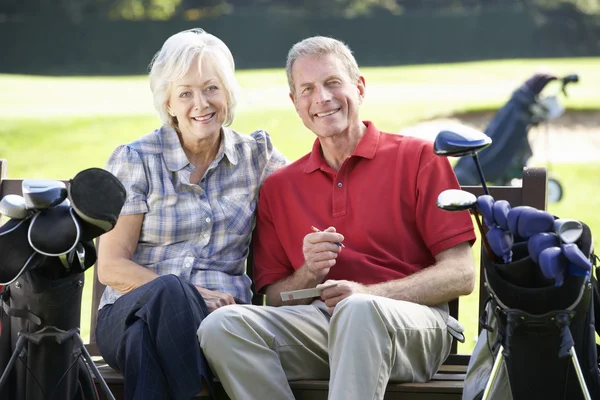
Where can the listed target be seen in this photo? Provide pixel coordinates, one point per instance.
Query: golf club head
(579, 264)
(40, 194)
(553, 264)
(501, 243)
(460, 141)
(501, 209)
(568, 230)
(540, 242)
(485, 205)
(456, 200)
(532, 221)
(13, 206)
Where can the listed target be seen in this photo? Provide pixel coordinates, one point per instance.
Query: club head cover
(539, 242)
(513, 219)
(13, 206)
(532, 221)
(485, 204)
(579, 264)
(553, 264)
(16, 255)
(501, 243)
(97, 197)
(54, 231)
(501, 209)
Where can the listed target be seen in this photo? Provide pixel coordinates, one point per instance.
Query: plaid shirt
(202, 232)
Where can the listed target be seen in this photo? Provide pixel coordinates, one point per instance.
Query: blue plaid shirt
(202, 232)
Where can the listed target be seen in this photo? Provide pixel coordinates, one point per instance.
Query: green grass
(54, 127)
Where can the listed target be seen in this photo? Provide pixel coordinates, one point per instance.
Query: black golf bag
(43, 257)
(538, 339)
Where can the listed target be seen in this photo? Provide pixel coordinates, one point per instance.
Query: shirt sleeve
(126, 164)
(271, 263)
(272, 158)
(440, 229)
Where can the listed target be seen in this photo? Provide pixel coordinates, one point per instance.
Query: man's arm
(452, 275)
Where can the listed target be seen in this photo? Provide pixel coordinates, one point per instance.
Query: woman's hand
(214, 299)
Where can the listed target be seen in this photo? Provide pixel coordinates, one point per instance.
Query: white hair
(175, 59)
(320, 46)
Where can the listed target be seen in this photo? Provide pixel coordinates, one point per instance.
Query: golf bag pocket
(481, 363)
(35, 305)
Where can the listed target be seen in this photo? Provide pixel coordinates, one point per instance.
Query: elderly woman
(179, 247)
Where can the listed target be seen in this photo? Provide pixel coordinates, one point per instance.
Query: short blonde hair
(175, 59)
(320, 46)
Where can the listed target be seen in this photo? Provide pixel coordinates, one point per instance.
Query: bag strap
(16, 312)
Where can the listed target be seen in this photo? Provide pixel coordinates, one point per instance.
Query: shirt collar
(366, 149)
(175, 157)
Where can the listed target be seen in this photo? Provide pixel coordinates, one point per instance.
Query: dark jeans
(149, 334)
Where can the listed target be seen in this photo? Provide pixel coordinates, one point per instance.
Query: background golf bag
(534, 323)
(510, 152)
(43, 256)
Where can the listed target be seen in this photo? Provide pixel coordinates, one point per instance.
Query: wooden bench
(446, 384)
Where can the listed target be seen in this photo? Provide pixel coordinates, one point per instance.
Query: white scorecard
(304, 293)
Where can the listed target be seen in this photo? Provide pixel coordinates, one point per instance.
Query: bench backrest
(533, 192)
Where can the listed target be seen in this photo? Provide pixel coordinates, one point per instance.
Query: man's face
(325, 97)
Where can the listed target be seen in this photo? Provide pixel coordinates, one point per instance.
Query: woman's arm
(115, 268)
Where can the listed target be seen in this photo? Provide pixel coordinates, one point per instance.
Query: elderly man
(388, 261)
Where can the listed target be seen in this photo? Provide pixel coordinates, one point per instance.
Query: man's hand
(214, 299)
(320, 251)
(333, 295)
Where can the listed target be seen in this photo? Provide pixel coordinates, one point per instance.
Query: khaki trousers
(369, 340)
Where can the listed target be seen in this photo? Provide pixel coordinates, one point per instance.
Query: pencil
(318, 230)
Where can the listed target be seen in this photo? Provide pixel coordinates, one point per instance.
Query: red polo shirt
(382, 199)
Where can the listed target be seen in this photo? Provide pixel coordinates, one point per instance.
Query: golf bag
(44, 250)
(510, 152)
(538, 337)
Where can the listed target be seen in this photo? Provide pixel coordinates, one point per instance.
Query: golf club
(485, 205)
(501, 242)
(460, 200)
(579, 264)
(539, 242)
(13, 206)
(553, 264)
(501, 209)
(460, 142)
(526, 221)
(40, 194)
(568, 230)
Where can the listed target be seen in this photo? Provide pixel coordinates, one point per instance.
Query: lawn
(54, 127)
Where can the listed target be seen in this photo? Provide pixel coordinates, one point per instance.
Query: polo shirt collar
(175, 157)
(366, 148)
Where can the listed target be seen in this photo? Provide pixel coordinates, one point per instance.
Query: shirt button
(340, 184)
(187, 265)
(207, 220)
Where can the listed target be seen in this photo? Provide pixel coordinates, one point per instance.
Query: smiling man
(383, 312)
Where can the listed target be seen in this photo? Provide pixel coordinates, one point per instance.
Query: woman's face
(199, 102)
